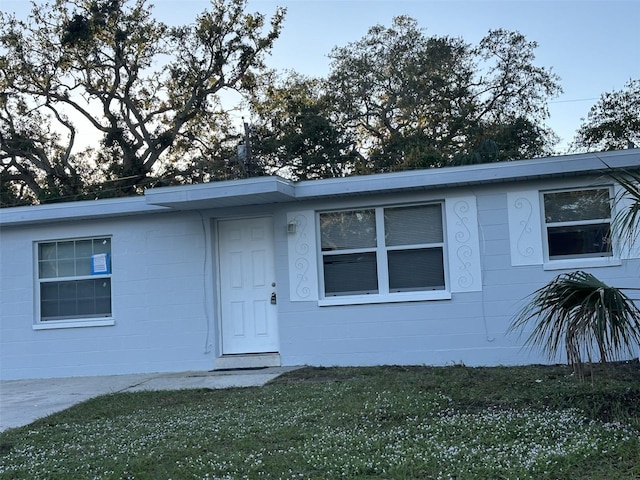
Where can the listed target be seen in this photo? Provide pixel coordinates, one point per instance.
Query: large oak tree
(420, 101)
(151, 92)
(403, 99)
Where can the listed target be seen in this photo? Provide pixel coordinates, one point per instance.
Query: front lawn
(325, 423)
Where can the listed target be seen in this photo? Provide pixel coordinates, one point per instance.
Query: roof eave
(71, 211)
(271, 190)
(224, 194)
(449, 177)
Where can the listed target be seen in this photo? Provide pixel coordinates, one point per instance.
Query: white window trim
(384, 296)
(79, 322)
(576, 262)
(55, 324)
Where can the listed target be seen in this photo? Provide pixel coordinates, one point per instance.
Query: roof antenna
(248, 167)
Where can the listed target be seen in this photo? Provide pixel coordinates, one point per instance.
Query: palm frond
(582, 315)
(626, 223)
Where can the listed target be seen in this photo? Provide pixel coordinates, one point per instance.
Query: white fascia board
(275, 187)
(581, 164)
(65, 211)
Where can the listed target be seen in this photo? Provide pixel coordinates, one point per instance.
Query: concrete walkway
(23, 401)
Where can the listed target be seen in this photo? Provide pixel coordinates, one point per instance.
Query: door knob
(273, 298)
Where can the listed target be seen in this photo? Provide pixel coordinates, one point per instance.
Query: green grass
(325, 423)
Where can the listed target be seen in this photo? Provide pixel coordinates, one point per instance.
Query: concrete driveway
(23, 401)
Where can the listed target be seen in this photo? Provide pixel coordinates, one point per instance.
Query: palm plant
(580, 313)
(627, 219)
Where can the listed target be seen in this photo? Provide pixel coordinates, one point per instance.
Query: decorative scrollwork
(302, 245)
(465, 277)
(525, 206)
(460, 209)
(302, 266)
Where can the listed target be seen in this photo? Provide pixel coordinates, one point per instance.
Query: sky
(594, 46)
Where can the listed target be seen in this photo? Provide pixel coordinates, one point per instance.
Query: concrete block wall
(164, 291)
(160, 301)
(471, 328)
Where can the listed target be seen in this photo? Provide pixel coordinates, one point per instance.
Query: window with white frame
(578, 223)
(382, 250)
(74, 279)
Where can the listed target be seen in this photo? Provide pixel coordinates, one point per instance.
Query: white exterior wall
(462, 329)
(470, 328)
(159, 281)
(163, 291)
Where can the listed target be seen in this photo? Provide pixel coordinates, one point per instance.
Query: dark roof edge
(517, 170)
(278, 189)
(80, 210)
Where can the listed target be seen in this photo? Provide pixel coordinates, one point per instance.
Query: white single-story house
(416, 267)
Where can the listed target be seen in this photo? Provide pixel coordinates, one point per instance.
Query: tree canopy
(613, 122)
(395, 99)
(149, 90)
(295, 133)
(402, 99)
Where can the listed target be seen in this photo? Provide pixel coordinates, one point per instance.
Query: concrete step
(253, 360)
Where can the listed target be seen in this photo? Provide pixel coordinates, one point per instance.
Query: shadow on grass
(613, 394)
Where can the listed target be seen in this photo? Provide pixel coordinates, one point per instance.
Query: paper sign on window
(100, 264)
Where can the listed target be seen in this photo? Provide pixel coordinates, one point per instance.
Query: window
(382, 251)
(74, 279)
(578, 223)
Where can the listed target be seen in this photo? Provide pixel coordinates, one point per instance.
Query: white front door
(247, 285)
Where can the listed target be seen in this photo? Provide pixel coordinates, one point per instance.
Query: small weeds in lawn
(382, 422)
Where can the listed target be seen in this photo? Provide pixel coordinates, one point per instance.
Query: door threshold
(247, 360)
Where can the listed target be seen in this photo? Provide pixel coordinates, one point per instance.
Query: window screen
(350, 274)
(348, 230)
(578, 223)
(577, 205)
(413, 225)
(358, 259)
(419, 269)
(68, 287)
(75, 299)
